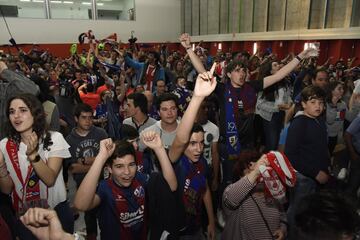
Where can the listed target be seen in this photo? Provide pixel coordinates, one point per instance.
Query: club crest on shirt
(119, 198)
(139, 192)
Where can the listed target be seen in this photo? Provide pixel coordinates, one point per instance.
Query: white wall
(156, 21)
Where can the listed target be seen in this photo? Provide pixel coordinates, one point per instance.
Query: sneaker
(342, 174)
(220, 218)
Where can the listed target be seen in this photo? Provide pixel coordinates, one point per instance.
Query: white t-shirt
(167, 138)
(211, 135)
(59, 148)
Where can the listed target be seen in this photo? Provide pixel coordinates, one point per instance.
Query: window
(277, 9)
(260, 16)
(317, 13)
(23, 8)
(355, 17)
(116, 9)
(71, 9)
(336, 14)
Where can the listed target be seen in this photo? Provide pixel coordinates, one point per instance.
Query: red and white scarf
(279, 174)
(28, 192)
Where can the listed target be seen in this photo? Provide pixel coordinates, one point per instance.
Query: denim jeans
(303, 187)
(272, 130)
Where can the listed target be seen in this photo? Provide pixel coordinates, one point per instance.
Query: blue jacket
(140, 70)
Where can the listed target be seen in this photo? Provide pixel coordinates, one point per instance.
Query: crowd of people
(179, 144)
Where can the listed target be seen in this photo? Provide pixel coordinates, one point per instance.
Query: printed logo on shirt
(131, 218)
(187, 184)
(119, 198)
(340, 115)
(87, 148)
(240, 104)
(140, 168)
(139, 192)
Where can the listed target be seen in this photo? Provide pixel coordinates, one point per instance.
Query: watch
(36, 159)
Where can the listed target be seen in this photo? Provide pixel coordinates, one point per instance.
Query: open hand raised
(185, 40)
(32, 144)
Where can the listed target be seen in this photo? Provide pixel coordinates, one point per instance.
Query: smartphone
(315, 45)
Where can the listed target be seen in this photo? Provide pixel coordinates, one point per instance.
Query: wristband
(298, 58)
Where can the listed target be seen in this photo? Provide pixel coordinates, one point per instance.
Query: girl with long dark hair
(31, 161)
(271, 105)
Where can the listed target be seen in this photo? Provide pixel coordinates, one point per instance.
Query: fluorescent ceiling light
(100, 4)
(86, 3)
(38, 1)
(55, 1)
(68, 2)
(24, 0)
(255, 47)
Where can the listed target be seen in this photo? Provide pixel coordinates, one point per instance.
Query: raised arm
(133, 63)
(89, 63)
(85, 197)
(122, 94)
(152, 140)
(284, 71)
(23, 83)
(235, 193)
(204, 86)
(195, 60)
(326, 63)
(81, 88)
(47, 171)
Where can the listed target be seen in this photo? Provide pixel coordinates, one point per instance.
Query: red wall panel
(343, 48)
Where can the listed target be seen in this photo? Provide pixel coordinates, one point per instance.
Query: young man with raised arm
(121, 199)
(190, 166)
(237, 102)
